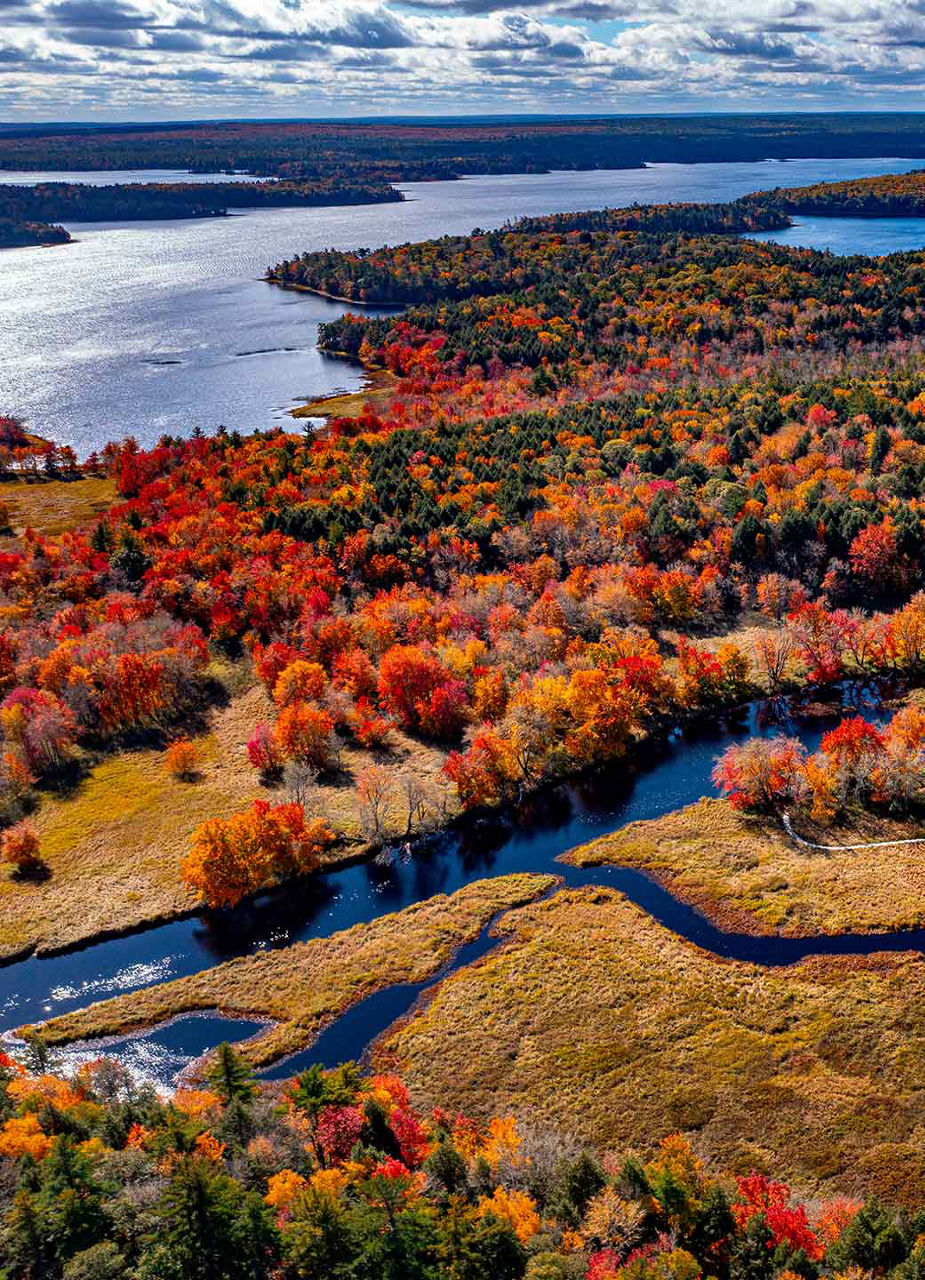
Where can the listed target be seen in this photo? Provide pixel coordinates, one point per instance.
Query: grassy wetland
(303, 987)
(746, 873)
(595, 1019)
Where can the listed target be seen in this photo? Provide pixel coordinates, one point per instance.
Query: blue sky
(163, 59)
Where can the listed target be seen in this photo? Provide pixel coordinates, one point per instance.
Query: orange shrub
(300, 682)
(305, 732)
(23, 1136)
(237, 856)
(20, 847)
(183, 760)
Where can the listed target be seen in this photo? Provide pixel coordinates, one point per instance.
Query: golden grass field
(747, 874)
(52, 506)
(114, 845)
(375, 393)
(595, 1019)
(302, 987)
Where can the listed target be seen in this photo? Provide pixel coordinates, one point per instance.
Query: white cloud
(303, 57)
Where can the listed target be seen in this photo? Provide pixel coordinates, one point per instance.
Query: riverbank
(305, 987)
(746, 873)
(530, 841)
(114, 842)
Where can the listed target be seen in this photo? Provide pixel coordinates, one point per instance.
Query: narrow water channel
(658, 781)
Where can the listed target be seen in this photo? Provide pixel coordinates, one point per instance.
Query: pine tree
(26, 1238)
(230, 1076)
(209, 1229)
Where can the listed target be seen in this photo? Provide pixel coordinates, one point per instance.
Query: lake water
(850, 235)
(146, 328)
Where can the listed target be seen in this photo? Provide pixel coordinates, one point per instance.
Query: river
(666, 778)
(147, 328)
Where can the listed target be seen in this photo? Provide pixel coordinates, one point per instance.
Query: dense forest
(16, 232)
(406, 151)
(900, 195)
(600, 433)
(527, 253)
(339, 1177)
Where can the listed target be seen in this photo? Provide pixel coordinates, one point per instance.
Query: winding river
(658, 781)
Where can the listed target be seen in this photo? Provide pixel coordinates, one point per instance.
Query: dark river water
(146, 328)
(675, 774)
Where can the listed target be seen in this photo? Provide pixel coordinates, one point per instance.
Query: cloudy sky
(162, 59)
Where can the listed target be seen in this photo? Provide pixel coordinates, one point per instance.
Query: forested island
(486, 263)
(24, 209)
(16, 231)
(900, 195)
(359, 164)
(516, 257)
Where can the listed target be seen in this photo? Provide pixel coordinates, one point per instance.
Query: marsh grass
(376, 392)
(303, 987)
(115, 837)
(52, 506)
(601, 1022)
(746, 873)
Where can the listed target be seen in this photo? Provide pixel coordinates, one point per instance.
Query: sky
(174, 59)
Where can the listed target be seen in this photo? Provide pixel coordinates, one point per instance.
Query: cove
(656, 781)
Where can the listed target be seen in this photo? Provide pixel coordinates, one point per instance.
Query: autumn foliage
(232, 858)
(857, 763)
(21, 848)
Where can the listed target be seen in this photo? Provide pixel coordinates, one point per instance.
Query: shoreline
(333, 297)
(378, 383)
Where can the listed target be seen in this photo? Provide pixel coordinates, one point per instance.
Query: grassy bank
(114, 843)
(53, 506)
(748, 875)
(602, 1022)
(375, 393)
(305, 986)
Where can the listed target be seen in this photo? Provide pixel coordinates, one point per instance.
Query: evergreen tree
(70, 1200)
(474, 1248)
(208, 1229)
(320, 1241)
(578, 1181)
(230, 1076)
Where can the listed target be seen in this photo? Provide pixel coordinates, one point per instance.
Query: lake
(147, 328)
